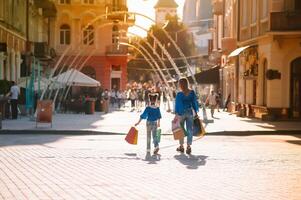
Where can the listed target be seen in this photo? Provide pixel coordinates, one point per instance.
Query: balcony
(116, 50)
(115, 8)
(49, 9)
(286, 21)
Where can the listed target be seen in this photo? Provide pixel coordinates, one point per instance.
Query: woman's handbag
(132, 136)
(177, 130)
(198, 128)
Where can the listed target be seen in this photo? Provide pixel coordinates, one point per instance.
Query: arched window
(65, 34)
(115, 34)
(88, 35)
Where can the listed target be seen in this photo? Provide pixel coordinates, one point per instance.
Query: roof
(166, 4)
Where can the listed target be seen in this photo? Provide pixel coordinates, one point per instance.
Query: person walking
(153, 115)
(185, 106)
(133, 97)
(106, 99)
(211, 100)
(14, 95)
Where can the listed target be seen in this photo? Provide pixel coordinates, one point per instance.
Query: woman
(186, 104)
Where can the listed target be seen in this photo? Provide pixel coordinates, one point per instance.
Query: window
(115, 34)
(244, 13)
(65, 34)
(297, 5)
(254, 11)
(88, 35)
(65, 1)
(88, 1)
(264, 8)
(116, 5)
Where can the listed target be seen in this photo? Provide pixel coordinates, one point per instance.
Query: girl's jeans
(151, 129)
(187, 118)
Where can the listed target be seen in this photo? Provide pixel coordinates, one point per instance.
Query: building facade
(262, 73)
(163, 9)
(88, 37)
(197, 16)
(23, 24)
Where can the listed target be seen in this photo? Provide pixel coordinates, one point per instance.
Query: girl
(186, 103)
(153, 115)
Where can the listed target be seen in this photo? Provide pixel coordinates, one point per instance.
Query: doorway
(296, 88)
(115, 83)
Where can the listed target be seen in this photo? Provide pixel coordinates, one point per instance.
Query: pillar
(12, 65)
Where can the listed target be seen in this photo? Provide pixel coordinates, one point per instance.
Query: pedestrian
(113, 97)
(152, 115)
(133, 99)
(211, 101)
(119, 98)
(146, 98)
(186, 106)
(218, 100)
(140, 99)
(227, 103)
(106, 99)
(14, 95)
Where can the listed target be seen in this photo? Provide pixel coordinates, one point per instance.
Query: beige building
(82, 28)
(263, 73)
(23, 24)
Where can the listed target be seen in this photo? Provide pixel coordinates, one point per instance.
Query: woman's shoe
(180, 149)
(156, 150)
(188, 150)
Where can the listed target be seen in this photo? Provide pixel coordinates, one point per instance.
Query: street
(106, 167)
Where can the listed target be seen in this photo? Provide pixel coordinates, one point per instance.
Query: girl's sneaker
(156, 150)
(188, 150)
(180, 149)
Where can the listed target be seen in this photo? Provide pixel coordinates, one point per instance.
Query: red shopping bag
(132, 136)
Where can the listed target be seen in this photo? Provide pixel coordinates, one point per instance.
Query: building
(88, 36)
(163, 9)
(22, 25)
(264, 70)
(197, 16)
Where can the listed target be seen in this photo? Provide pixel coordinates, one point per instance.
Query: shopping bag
(158, 135)
(177, 130)
(132, 136)
(198, 128)
(183, 127)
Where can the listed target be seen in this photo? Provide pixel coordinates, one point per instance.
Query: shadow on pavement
(191, 161)
(15, 139)
(152, 159)
(296, 142)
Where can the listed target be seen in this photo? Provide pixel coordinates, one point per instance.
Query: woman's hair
(184, 85)
(153, 97)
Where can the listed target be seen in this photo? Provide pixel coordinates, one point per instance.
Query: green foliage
(4, 86)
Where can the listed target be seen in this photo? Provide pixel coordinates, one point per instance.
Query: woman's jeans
(187, 118)
(151, 129)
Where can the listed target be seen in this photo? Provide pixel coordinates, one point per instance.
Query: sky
(146, 7)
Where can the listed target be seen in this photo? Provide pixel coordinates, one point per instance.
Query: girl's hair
(184, 85)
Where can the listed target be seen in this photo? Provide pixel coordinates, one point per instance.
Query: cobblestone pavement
(106, 167)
